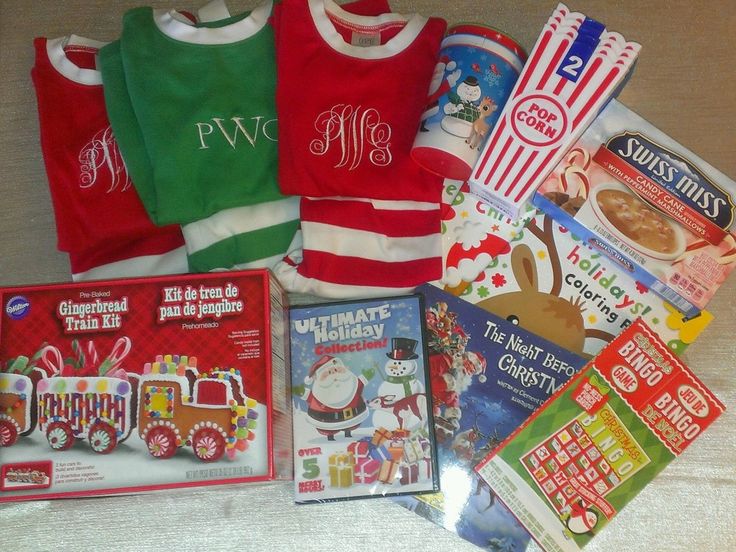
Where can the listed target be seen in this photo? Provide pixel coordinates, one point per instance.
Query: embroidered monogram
(355, 133)
(251, 135)
(101, 156)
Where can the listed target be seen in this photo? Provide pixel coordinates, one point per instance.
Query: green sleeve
(125, 126)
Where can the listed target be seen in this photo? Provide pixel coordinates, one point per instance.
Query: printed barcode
(672, 296)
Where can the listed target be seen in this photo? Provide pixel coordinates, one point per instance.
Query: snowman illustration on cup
(400, 383)
(462, 110)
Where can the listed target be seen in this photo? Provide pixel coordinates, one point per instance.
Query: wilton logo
(17, 307)
(355, 132)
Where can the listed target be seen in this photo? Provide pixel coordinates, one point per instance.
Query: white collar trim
(321, 10)
(65, 66)
(174, 27)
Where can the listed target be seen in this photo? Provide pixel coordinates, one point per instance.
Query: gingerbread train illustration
(172, 404)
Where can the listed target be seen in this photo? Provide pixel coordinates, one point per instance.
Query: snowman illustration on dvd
(400, 383)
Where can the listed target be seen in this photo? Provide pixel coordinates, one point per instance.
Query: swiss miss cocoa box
(589, 450)
(131, 385)
(651, 205)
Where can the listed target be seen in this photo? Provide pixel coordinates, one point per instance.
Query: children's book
(473, 234)
(362, 406)
(487, 376)
(550, 282)
(592, 447)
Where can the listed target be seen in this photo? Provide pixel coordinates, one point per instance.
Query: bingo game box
(654, 207)
(591, 448)
(131, 385)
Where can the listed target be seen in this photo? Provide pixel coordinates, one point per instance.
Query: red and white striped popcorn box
(573, 70)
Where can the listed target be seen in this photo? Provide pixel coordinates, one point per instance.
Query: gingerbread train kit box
(487, 376)
(131, 385)
(592, 447)
(648, 203)
(361, 402)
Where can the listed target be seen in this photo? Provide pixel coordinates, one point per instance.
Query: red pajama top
(100, 219)
(351, 91)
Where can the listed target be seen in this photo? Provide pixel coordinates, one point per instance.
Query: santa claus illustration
(334, 397)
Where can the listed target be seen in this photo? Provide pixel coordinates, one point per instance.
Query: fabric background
(684, 83)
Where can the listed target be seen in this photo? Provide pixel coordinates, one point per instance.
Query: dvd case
(362, 406)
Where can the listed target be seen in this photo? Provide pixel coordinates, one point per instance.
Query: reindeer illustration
(410, 412)
(480, 127)
(548, 315)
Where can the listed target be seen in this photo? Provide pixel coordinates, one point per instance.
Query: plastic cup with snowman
(473, 78)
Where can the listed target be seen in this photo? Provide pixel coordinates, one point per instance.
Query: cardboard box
(133, 385)
(574, 68)
(597, 442)
(648, 203)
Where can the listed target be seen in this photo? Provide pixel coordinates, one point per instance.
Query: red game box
(134, 385)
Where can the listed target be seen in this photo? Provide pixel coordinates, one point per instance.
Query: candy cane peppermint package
(574, 69)
(655, 208)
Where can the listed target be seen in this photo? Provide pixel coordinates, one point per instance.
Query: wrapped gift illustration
(380, 453)
(408, 473)
(413, 450)
(366, 470)
(388, 472)
(341, 468)
(400, 434)
(380, 436)
(396, 449)
(425, 468)
(359, 449)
